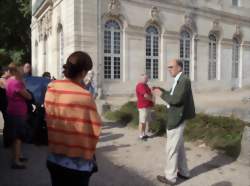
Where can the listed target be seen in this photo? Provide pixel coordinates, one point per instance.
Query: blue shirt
(90, 88)
(37, 86)
(71, 163)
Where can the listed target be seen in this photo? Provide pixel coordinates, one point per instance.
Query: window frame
(45, 53)
(212, 57)
(60, 51)
(152, 50)
(36, 56)
(113, 69)
(186, 59)
(236, 3)
(235, 58)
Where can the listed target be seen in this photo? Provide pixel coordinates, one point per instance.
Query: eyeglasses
(170, 67)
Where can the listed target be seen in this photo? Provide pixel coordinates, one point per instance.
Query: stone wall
(245, 150)
(82, 22)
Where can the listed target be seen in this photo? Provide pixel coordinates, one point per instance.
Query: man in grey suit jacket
(180, 108)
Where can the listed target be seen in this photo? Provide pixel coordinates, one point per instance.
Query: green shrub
(113, 115)
(218, 132)
(159, 119)
(128, 113)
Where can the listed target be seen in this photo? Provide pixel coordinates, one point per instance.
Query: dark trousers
(6, 135)
(61, 176)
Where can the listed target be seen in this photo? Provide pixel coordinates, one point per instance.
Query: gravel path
(125, 161)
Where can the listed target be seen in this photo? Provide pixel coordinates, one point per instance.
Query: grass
(222, 133)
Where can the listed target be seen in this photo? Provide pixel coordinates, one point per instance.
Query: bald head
(174, 67)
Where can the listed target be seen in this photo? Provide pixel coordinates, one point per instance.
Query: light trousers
(176, 156)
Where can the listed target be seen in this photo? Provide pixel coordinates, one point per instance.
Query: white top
(177, 77)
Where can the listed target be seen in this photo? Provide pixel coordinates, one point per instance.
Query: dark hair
(46, 75)
(179, 63)
(76, 63)
(13, 70)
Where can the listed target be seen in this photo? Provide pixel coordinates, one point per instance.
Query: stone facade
(60, 27)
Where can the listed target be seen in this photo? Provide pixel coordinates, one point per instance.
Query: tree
(15, 20)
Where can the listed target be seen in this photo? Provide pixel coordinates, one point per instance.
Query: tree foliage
(15, 19)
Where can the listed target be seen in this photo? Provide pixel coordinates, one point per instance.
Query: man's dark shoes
(23, 159)
(18, 166)
(162, 179)
(182, 176)
(143, 138)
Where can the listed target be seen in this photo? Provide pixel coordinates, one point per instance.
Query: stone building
(126, 38)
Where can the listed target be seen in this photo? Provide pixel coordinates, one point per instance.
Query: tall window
(236, 54)
(36, 56)
(185, 44)
(152, 52)
(45, 54)
(112, 50)
(235, 2)
(60, 51)
(212, 57)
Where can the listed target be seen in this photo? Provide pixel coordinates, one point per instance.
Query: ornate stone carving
(114, 7)
(188, 21)
(238, 33)
(155, 13)
(45, 25)
(237, 29)
(216, 25)
(216, 29)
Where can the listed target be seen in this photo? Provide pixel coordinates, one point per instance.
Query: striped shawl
(72, 119)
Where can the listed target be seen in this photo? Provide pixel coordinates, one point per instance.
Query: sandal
(23, 159)
(18, 166)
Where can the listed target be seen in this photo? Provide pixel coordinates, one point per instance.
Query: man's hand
(157, 91)
(148, 97)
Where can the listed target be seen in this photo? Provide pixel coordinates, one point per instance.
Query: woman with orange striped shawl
(73, 124)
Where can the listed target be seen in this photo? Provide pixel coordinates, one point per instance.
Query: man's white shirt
(177, 77)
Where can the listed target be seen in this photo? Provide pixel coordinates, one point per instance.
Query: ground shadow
(156, 135)
(111, 174)
(105, 134)
(110, 148)
(218, 161)
(110, 137)
(222, 183)
(36, 174)
(111, 124)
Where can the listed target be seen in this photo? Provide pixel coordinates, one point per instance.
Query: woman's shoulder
(13, 81)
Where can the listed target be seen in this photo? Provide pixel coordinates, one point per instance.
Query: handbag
(95, 166)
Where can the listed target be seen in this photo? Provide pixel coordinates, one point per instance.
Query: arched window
(212, 57)
(36, 51)
(112, 50)
(60, 50)
(152, 52)
(235, 2)
(236, 58)
(45, 54)
(36, 57)
(185, 48)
